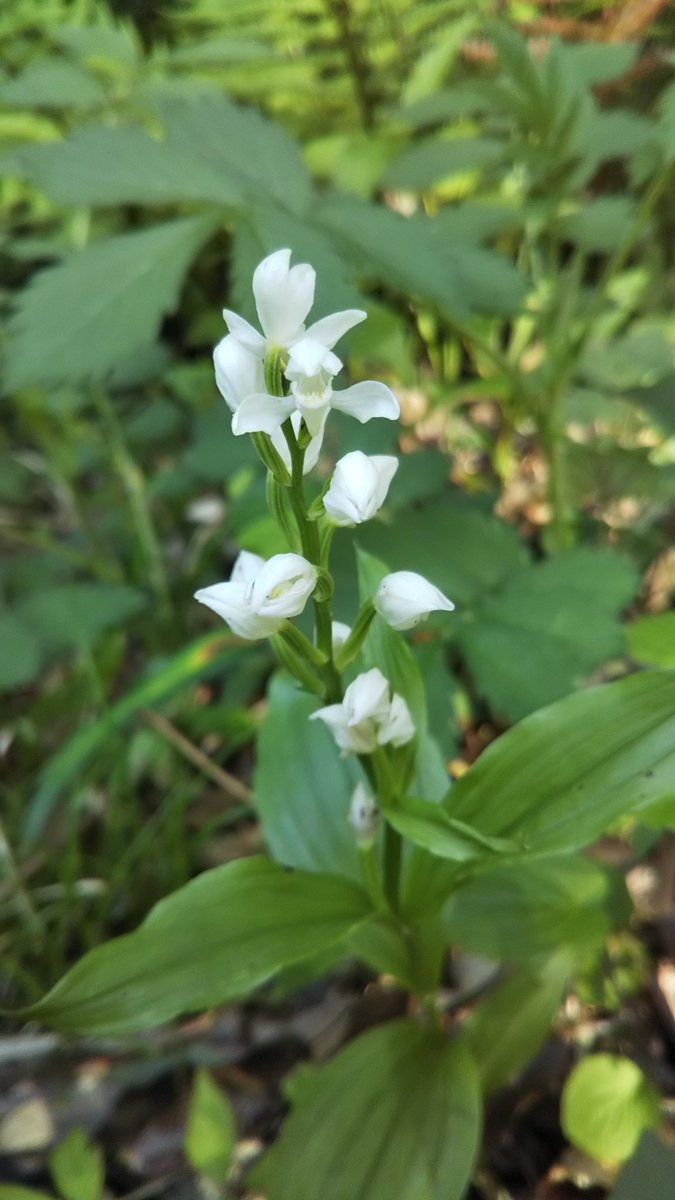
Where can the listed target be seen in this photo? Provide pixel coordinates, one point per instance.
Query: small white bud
(364, 815)
(404, 599)
(359, 487)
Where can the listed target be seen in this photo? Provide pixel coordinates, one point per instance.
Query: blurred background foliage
(493, 182)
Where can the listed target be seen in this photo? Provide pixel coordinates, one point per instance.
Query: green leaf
(212, 941)
(212, 150)
(607, 1104)
(599, 224)
(211, 1134)
(411, 254)
(14, 1191)
(49, 82)
(522, 913)
(434, 159)
(651, 640)
(71, 616)
(565, 774)
(547, 629)
(78, 1168)
(79, 320)
(512, 1023)
(303, 788)
(649, 1173)
(464, 550)
(21, 658)
(428, 825)
(434, 63)
(396, 1113)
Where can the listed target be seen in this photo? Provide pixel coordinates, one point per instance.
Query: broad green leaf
(658, 401)
(51, 83)
(21, 657)
(651, 640)
(428, 825)
(598, 224)
(434, 63)
(598, 62)
(514, 1020)
(78, 1168)
(547, 629)
(207, 654)
(14, 1191)
(607, 1104)
(396, 1113)
(212, 941)
(212, 150)
(649, 1173)
(565, 774)
(71, 326)
(521, 913)
(211, 1134)
(303, 788)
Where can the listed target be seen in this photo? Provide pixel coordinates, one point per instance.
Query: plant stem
(392, 853)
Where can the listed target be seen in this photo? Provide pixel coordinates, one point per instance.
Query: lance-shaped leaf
(85, 318)
(563, 775)
(395, 1114)
(215, 939)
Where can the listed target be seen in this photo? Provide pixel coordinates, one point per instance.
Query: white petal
(246, 567)
(246, 335)
(239, 373)
(261, 413)
(367, 400)
(398, 727)
(330, 329)
(314, 416)
(340, 633)
(359, 487)
(363, 814)
(284, 585)
(386, 466)
(367, 696)
(228, 600)
(283, 296)
(351, 739)
(309, 357)
(404, 598)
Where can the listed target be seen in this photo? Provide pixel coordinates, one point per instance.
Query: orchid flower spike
(404, 599)
(370, 715)
(261, 595)
(284, 295)
(359, 487)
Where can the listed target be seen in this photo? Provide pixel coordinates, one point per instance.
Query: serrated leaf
(79, 320)
(215, 939)
(49, 82)
(607, 1104)
(397, 1113)
(562, 776)
(212, 150)
(211, 1132)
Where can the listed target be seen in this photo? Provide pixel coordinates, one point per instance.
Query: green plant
(490, 863)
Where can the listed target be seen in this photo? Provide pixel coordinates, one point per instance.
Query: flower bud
(404, 599)
(369, 716)
(359, 487)
(261, 595)
(363, 816)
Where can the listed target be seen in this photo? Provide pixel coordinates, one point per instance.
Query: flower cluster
(278, 384)
(370, 715)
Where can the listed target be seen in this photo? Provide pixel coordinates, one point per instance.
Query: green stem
(392, 854)
(133, 483)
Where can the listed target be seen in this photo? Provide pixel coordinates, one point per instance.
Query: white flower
(405, 598)
(359, 487)
(284, 296)
(369, 716)
(240, 374)
(261, 595)
(363, 815)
